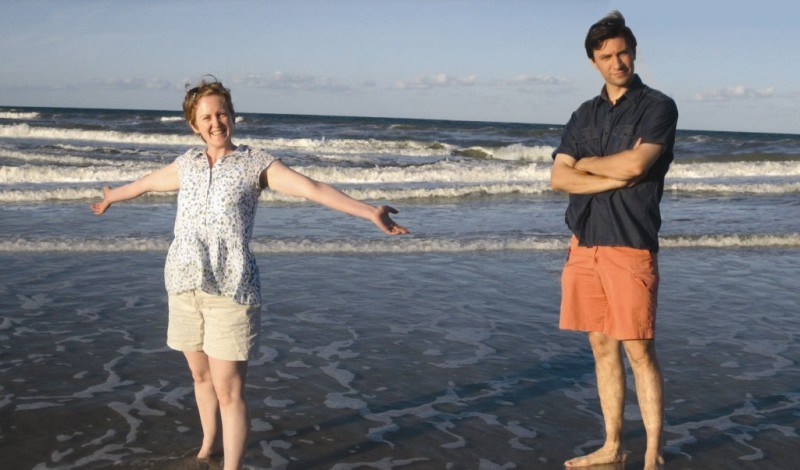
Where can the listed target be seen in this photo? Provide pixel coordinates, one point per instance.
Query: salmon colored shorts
(217, 325)
(610, 289)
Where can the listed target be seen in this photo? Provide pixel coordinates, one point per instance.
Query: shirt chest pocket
(622, 138)
(589, 142)
(623, 132)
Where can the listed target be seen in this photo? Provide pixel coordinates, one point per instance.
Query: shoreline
(451, 358)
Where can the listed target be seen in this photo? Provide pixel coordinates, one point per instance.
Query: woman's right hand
(100, 207)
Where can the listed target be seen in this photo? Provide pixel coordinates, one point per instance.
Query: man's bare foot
(603, 455)
(653, 464)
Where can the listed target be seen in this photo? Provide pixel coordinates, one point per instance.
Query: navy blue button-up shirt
(629, 216)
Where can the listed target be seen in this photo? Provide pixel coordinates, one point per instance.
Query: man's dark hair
(611, 26)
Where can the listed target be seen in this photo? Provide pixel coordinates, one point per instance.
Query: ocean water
(435, 350)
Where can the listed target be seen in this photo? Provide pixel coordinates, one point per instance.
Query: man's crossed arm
(591, 175)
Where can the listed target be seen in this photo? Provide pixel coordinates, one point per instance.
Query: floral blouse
(214, 223)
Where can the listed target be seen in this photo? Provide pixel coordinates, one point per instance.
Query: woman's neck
(215, 154)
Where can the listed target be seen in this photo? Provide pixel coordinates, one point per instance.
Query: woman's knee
(229, 381)
(200, 376)
(230, 396)
(198, 366)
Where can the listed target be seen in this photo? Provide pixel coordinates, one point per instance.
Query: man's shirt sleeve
(659, 123)
(569, 141)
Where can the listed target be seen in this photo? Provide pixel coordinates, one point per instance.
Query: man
(612, 160)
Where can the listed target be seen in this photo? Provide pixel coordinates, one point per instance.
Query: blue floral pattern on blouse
(214, 224)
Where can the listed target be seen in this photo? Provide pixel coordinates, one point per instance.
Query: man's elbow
(635, 172)
(556, 186)
(637, 168)
(562, 172)
(556, 182)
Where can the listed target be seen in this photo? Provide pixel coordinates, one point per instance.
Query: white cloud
(127, 84)
(428, 82)
(523, 83)
(737, 92)
(282, 81)
(533, 80)
(532, 83)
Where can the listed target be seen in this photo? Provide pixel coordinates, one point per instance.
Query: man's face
(614, 61)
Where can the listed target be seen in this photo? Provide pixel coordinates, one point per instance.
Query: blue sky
(729, 65)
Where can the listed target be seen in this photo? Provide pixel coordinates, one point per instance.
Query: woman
(211, 275)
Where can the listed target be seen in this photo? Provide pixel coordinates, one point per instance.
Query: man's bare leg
(611, 388)
(650, 391)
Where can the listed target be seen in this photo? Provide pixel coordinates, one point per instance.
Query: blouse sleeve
(261, 160)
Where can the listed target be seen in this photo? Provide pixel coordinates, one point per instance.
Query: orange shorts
(610, 289)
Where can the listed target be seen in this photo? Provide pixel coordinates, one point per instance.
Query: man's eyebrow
(609, 54)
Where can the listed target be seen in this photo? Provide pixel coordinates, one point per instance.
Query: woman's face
(214, 122)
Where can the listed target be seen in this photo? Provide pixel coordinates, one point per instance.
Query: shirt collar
(200, 152)
(635, 90)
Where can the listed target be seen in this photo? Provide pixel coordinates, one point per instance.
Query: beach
(439, 350)
(450, 362)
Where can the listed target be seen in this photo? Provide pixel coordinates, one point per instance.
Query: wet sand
(403, 361)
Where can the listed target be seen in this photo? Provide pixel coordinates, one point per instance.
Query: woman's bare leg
(229, 381)
(207, 403)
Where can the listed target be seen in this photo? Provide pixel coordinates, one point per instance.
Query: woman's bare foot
(656, 463)
(208, 451)
(603, 455)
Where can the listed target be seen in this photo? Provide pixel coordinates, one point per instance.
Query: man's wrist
(581, 164)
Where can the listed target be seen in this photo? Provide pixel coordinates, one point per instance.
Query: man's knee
(603, 346)
(641, 353)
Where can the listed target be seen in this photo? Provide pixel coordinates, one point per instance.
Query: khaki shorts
(609, 289)
(215, 325)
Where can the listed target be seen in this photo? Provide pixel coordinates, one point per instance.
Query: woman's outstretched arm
(161, 180)
(283, 179)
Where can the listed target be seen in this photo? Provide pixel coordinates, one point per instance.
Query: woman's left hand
(385, 222)
(99, 208)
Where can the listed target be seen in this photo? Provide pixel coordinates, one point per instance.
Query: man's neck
(613, 92)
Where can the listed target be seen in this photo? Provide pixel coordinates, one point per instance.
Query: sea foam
(17, 115)
(384, 246)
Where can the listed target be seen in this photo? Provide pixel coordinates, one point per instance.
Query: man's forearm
(567, 178)
(628, 165)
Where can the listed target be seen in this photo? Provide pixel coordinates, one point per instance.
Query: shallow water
(437, 350)
(397, 361)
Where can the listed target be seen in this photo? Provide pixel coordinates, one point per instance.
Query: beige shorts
(613, 290)
(215, 325)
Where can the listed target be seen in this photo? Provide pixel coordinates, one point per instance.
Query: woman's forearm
(335, 199)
